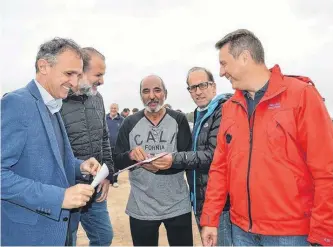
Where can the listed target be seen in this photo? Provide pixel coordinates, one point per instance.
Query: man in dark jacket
(207, 117)
(84, 118)
(114, 121)
(125, 113)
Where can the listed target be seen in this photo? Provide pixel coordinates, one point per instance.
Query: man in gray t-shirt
(157, 196)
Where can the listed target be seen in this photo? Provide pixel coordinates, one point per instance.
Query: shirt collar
(54, 105)
(261, 91)
(115, 117)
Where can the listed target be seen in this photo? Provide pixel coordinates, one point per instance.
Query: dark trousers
(146, 232)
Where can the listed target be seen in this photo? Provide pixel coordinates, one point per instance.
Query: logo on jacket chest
(274, 105)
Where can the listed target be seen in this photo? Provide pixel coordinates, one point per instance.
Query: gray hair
(87, 53)
(115, 104)
(162, 82)
(51, 49)
(240, 40)
(208, 73)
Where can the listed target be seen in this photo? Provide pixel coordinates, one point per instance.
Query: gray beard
(158, 108)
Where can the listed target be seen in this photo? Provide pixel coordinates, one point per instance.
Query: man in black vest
(84, 116)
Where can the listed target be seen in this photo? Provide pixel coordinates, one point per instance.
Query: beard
(157, 109)
(84, 88)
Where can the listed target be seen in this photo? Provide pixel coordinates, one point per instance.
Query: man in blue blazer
(38, 168)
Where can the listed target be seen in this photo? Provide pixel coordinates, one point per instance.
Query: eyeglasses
(202, 86)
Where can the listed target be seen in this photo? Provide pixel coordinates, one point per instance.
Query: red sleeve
(315, 132)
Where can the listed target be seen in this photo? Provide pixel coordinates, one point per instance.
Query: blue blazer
(33, 176)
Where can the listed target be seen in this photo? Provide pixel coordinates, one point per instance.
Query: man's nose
(198, 91)
(152, 95)
(74, 80)
(101, 80)
(222, 71)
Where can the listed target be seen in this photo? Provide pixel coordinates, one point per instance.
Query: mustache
(152, 101)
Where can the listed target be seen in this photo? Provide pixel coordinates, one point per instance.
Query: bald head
(152, 78)
(153, 93)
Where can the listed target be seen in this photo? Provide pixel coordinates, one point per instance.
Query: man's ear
(246, 56)
(42, 64)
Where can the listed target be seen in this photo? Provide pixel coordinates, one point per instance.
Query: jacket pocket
(19, 214)
(228, 133)
(281, 132)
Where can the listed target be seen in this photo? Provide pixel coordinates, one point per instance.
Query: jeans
(224, 236)
(96, 222)
(242, 238)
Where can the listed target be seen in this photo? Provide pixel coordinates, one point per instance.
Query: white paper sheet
(100, 176)
(142, 162)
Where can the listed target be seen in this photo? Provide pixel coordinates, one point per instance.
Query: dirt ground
(117, 200)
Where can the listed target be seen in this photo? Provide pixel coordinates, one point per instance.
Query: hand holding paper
(147, 161)
(100, 176)
(90, 166)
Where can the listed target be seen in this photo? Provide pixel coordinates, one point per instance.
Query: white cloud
(167, 38)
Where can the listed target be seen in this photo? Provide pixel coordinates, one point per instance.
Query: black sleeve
(200, 159)
(122, 149)
(107, 154)
(184, 137)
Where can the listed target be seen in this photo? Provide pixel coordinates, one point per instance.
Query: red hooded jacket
(277, 167)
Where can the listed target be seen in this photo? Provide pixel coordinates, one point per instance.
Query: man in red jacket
(274, 154)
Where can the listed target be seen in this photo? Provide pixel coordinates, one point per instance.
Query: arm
(203, 158)
(184, 137)
(317, 144)
(122, 150)
(17, 189)
(217, 187)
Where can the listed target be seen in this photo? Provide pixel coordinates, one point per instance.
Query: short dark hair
(87, 52)
(208, 73)
(51, 49)
(240, 40)
(126, 110)
(135, 109)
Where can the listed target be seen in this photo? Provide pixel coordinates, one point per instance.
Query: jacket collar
(32, 87)
(276, 85)
(117, 117)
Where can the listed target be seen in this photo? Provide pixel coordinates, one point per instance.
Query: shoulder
(130, 121)
(178, 116)
(18, 104)
(222, 101)
(98, 96)
(300, 88)
(297, 83)
(20, 98)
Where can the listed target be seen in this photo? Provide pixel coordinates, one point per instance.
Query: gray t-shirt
(161, 195)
